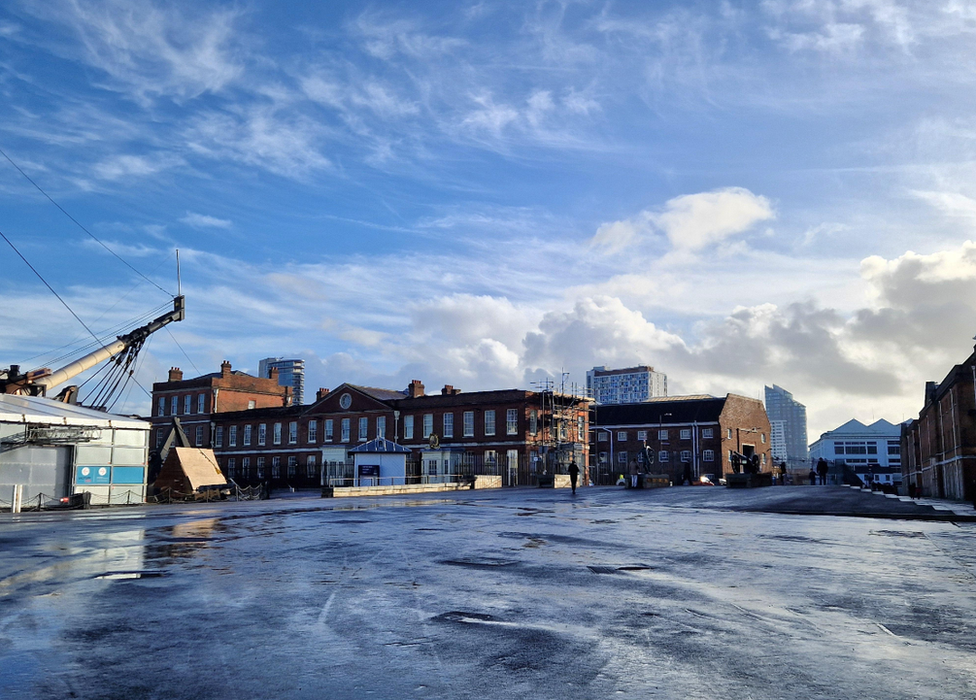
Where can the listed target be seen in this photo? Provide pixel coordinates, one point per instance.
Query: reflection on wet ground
(506, 594)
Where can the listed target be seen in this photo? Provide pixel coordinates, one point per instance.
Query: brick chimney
(449, 390)
(273, 373)
(321, 393)
(175, 374)
(415, 389)
(225, 369)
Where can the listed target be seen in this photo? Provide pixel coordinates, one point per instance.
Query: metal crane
(124, 349)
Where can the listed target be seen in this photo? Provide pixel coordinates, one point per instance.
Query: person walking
(573, 474)
(822, 471)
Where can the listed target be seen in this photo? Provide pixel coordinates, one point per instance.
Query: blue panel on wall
(128, 475)
(93, 475)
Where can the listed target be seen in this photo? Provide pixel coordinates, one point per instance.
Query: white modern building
(51, 450)
(777, 441)
(873, 451)
(290, 373)
(628, 385)
(782, 408)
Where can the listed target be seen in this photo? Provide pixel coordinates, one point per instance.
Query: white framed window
(662, 434)
(160, 433)
(663, 456)
(428, 424)
(489, 422)
(491, 458)
(642, 435)
(762, 436)
(728, 434)
(293, 432)
(580, 427)
(328, 430)
(381, 426)
(708, 433)
(262, 434)
(622, 457)
(310, 466)
(344, 430)
(199, 436)
(511, 421)
(276, 467)
(684, 434)
(292, 466)
(708, 455)
(447, 423)
(245, 466)
(187, 404)
(219, 436)
(685, 455)
(468, 423)
(603, 458)
(174, 405)
(363, 428)
(313, 431)
(232, 436)
(260, 467)
(161, 406)
(230, 467)
(622, 436)
(408, 427)
(201, 402)
(251, 405)
(276, 434)
(602, 436)
(533, 422)
(247, 436)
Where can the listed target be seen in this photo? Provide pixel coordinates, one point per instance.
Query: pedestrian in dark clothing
(911, 490)
(782, 473)
(822, 471)
(813, 478)
(573, 474)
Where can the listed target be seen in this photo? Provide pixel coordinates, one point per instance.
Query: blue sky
(484, 194)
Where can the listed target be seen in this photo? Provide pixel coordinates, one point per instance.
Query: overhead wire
(80, 225)
(40, 277)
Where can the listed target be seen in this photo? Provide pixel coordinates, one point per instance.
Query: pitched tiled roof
(677, 409)
(379, 394)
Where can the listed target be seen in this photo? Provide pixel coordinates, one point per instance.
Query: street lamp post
(610, 432)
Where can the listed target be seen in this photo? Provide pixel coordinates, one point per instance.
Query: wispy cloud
(205, 221)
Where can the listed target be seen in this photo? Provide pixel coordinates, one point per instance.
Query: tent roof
(38, 409)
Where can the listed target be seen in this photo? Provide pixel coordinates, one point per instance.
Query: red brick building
(685, 436)
(512, 433)
(939, 448)
(196, 400)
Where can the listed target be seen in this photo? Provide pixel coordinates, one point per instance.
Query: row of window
(683, 434)
(245, 434)
(311, 467)
(662, 456)
(186, 405)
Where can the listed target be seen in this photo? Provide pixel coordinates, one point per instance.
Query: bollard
(17, 498)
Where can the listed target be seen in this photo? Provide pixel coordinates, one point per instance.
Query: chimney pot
(321, 393)
(415, 389)
(225, 369)
(175, 374)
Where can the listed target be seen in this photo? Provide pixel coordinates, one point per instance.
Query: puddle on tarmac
(127, 575)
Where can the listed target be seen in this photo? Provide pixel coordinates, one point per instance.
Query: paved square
(674, 593)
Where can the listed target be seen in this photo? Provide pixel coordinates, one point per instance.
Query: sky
(489, 194)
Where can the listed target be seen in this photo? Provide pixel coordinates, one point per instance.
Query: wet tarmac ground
(672, 593)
